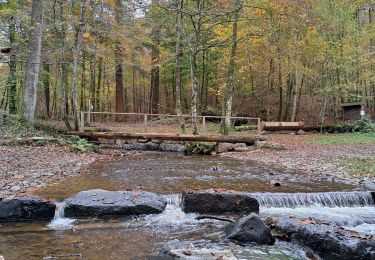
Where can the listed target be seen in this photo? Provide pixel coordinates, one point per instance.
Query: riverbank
(315, 156)
(25, 168)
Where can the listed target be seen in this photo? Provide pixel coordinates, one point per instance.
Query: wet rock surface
(212, 202)
(250, 229)
(100, 203)
(329, 242)
(26, 208)
(207, 250)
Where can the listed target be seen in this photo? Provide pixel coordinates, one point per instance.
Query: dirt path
(24, 168)
(324, 161)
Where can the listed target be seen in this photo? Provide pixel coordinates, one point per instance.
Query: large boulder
(329, 242)
(100, 203)
(211, 202)
(250, 229)
(26, 208)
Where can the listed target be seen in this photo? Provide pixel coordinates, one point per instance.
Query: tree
(229, 88)
(33, 61)
(155, 60)
(119, 70)
(179, 30)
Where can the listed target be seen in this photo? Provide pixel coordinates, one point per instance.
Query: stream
(170, 174)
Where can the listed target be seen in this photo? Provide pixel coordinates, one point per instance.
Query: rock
(179, 148)
(15, 188)
(275, 183)
(211, 202)
(367, 184)
(300, 132)
(278, 147)
(250, 229)
(240, 145)
(241, 149)
(260, 144)
(329, 242)
(224, 147)
(100, 203)
(197, 250)
(143, 141)
(26, 208)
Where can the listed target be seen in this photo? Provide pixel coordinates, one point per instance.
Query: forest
(280, 60)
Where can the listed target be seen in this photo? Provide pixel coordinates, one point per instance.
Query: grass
(360, 166)
(352, 138)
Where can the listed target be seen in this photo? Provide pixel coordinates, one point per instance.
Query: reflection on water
(169, 173)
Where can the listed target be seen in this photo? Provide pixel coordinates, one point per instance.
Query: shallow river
(168, 173)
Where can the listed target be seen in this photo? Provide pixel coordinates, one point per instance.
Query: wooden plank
(171, 137)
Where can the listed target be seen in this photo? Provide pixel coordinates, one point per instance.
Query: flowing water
(169, 174)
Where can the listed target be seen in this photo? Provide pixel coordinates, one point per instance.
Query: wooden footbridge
(125, 126)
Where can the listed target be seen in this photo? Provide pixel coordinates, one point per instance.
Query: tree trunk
(194, 92)
(64, 69)
(12, 82)
(83, 80)
(47, 88)
(229, 88)
(33, 61)
(155, 70)
(298, 84)
(77, 42)
(179, 24)
(119, 70)
(98, 85)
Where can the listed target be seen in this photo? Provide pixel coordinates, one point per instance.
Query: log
(278, 126)
(249, 140)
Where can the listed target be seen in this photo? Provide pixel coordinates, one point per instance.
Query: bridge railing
(166, 123)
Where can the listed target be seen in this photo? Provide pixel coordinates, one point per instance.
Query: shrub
(199, 148)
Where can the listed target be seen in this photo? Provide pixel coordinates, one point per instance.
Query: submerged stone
(250, 229)
(26, 208)
(211, 202)
(100, 203)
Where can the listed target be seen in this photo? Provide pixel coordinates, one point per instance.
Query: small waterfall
(59, 222)
(60, 210)
(326, 199)
(173, 216)
(174, 200)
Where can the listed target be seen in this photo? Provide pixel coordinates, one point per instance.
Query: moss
(353, 138)
(77, 144)
(361, 166)
(199, 148)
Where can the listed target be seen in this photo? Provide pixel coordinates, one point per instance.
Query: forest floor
(348, 158)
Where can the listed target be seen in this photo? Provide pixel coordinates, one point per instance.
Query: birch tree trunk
(179, 24)
(194, 92)
(33, 61)
(77, 43)
(229, 88)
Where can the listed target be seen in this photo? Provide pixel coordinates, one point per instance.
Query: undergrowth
(199, 148)
(16, 131)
